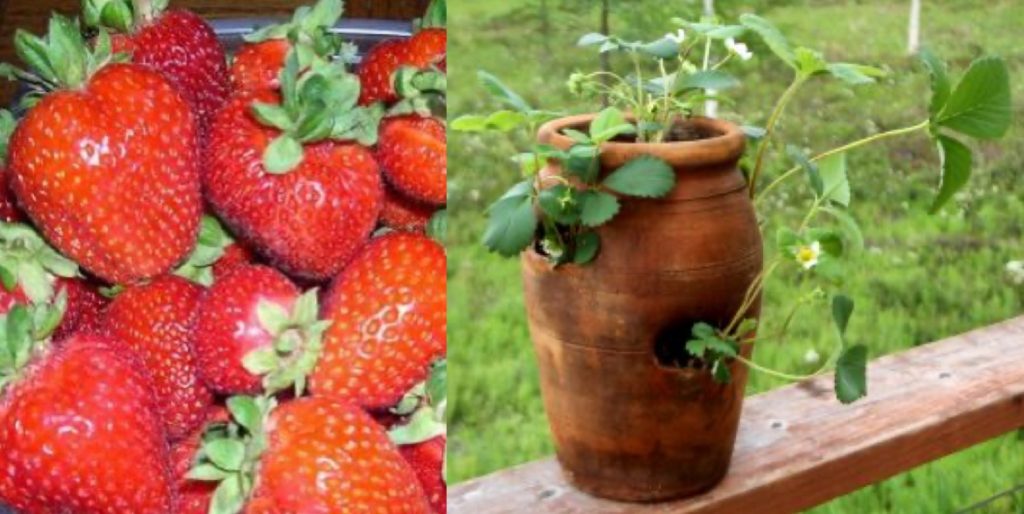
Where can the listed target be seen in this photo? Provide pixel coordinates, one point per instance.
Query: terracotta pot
(629, 424)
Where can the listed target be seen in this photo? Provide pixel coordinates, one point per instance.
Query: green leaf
(592, 38)
(577, 136)
(854, 238)
(956, 169)
(836, 185)
(644, 176)
(608, 124)
(980, 104)
(282, 155)
(245, 411)
(746, 326)
(940, 83)
(831, 241)
(813, 173)
(559, 204)
(505, 121)
(809, 62)
(854, 74)
(720, 372)
(437, 227)
(207, 473)
(227, 454)
(786, 239)
(261, 361)
(582, 162)
(33, 52)
(469, 123)
(703, 330)
(228, 498)
(511, 226)
(842, 308)
(501, 92)
(851, 374)
(663, 48)
(771, 36)
(707, 79)
(272, 316)
(597, 207)
(587, 246)
(726, 32)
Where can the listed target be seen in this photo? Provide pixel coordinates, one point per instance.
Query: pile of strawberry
(221, 286)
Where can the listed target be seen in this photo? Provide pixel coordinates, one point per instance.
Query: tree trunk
(914, 31)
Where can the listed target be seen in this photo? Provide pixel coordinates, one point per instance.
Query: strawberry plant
(673, 78)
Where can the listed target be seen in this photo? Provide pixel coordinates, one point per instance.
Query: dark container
(629, 422)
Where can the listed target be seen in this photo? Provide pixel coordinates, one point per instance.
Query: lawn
(922, 277)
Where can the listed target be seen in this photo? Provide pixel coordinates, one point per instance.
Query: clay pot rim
(726, 146)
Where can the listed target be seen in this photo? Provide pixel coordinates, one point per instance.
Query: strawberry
(259, 62)
(79, 430)
(193, 497)
(281, 178)
(388, 321)
(412, 154)
(8, 205)
(34, 273)
(178, 43)
(156, 321)
(427, 48)
(85, 307)
(423, 437)
(308, 455)
(107, 169)
(255, 332)
(404, 214)
(427, 460)
(235, 255)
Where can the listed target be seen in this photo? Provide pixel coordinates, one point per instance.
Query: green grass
(922, 278)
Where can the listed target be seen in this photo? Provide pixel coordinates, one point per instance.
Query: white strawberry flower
(677, 37)
(739, 49)
(807, 255)
(812, 357)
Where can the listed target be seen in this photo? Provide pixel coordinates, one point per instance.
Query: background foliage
(922, 278)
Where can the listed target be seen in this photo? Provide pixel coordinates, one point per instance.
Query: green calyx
(435, 17)
(28, 262)
(319, 103)
(230, 452)
(7, 126)
(297, 342)
(422, 91)
(309, 30)
(24, 333)
(124, 16)
(425, 404)
(213, 240)
(62, 59)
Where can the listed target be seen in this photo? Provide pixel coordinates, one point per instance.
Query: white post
(914, 32)
(710, 106)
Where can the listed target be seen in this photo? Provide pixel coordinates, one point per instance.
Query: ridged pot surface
(628, 425)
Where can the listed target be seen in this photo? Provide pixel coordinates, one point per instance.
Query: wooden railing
(798, 447)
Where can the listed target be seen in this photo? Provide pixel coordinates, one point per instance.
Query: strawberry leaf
(282, 155)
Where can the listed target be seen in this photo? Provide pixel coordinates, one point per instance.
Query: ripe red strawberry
(256, 332)
(8, 205)
(258, 63)
(79, 431)
(85, 308)
(156, 321)
(194, 496)
(178, 43)
(290, 190)
(413, 156)
(235, 255)
(388, 321)
(318, 455)
(36, 274)
(427, 460)
(428, 47)
(107, 169)
(404, 214)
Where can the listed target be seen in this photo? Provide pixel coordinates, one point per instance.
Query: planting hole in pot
(670, 346)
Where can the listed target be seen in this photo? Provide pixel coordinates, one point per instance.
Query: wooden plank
(798, 447)
(32, 15)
